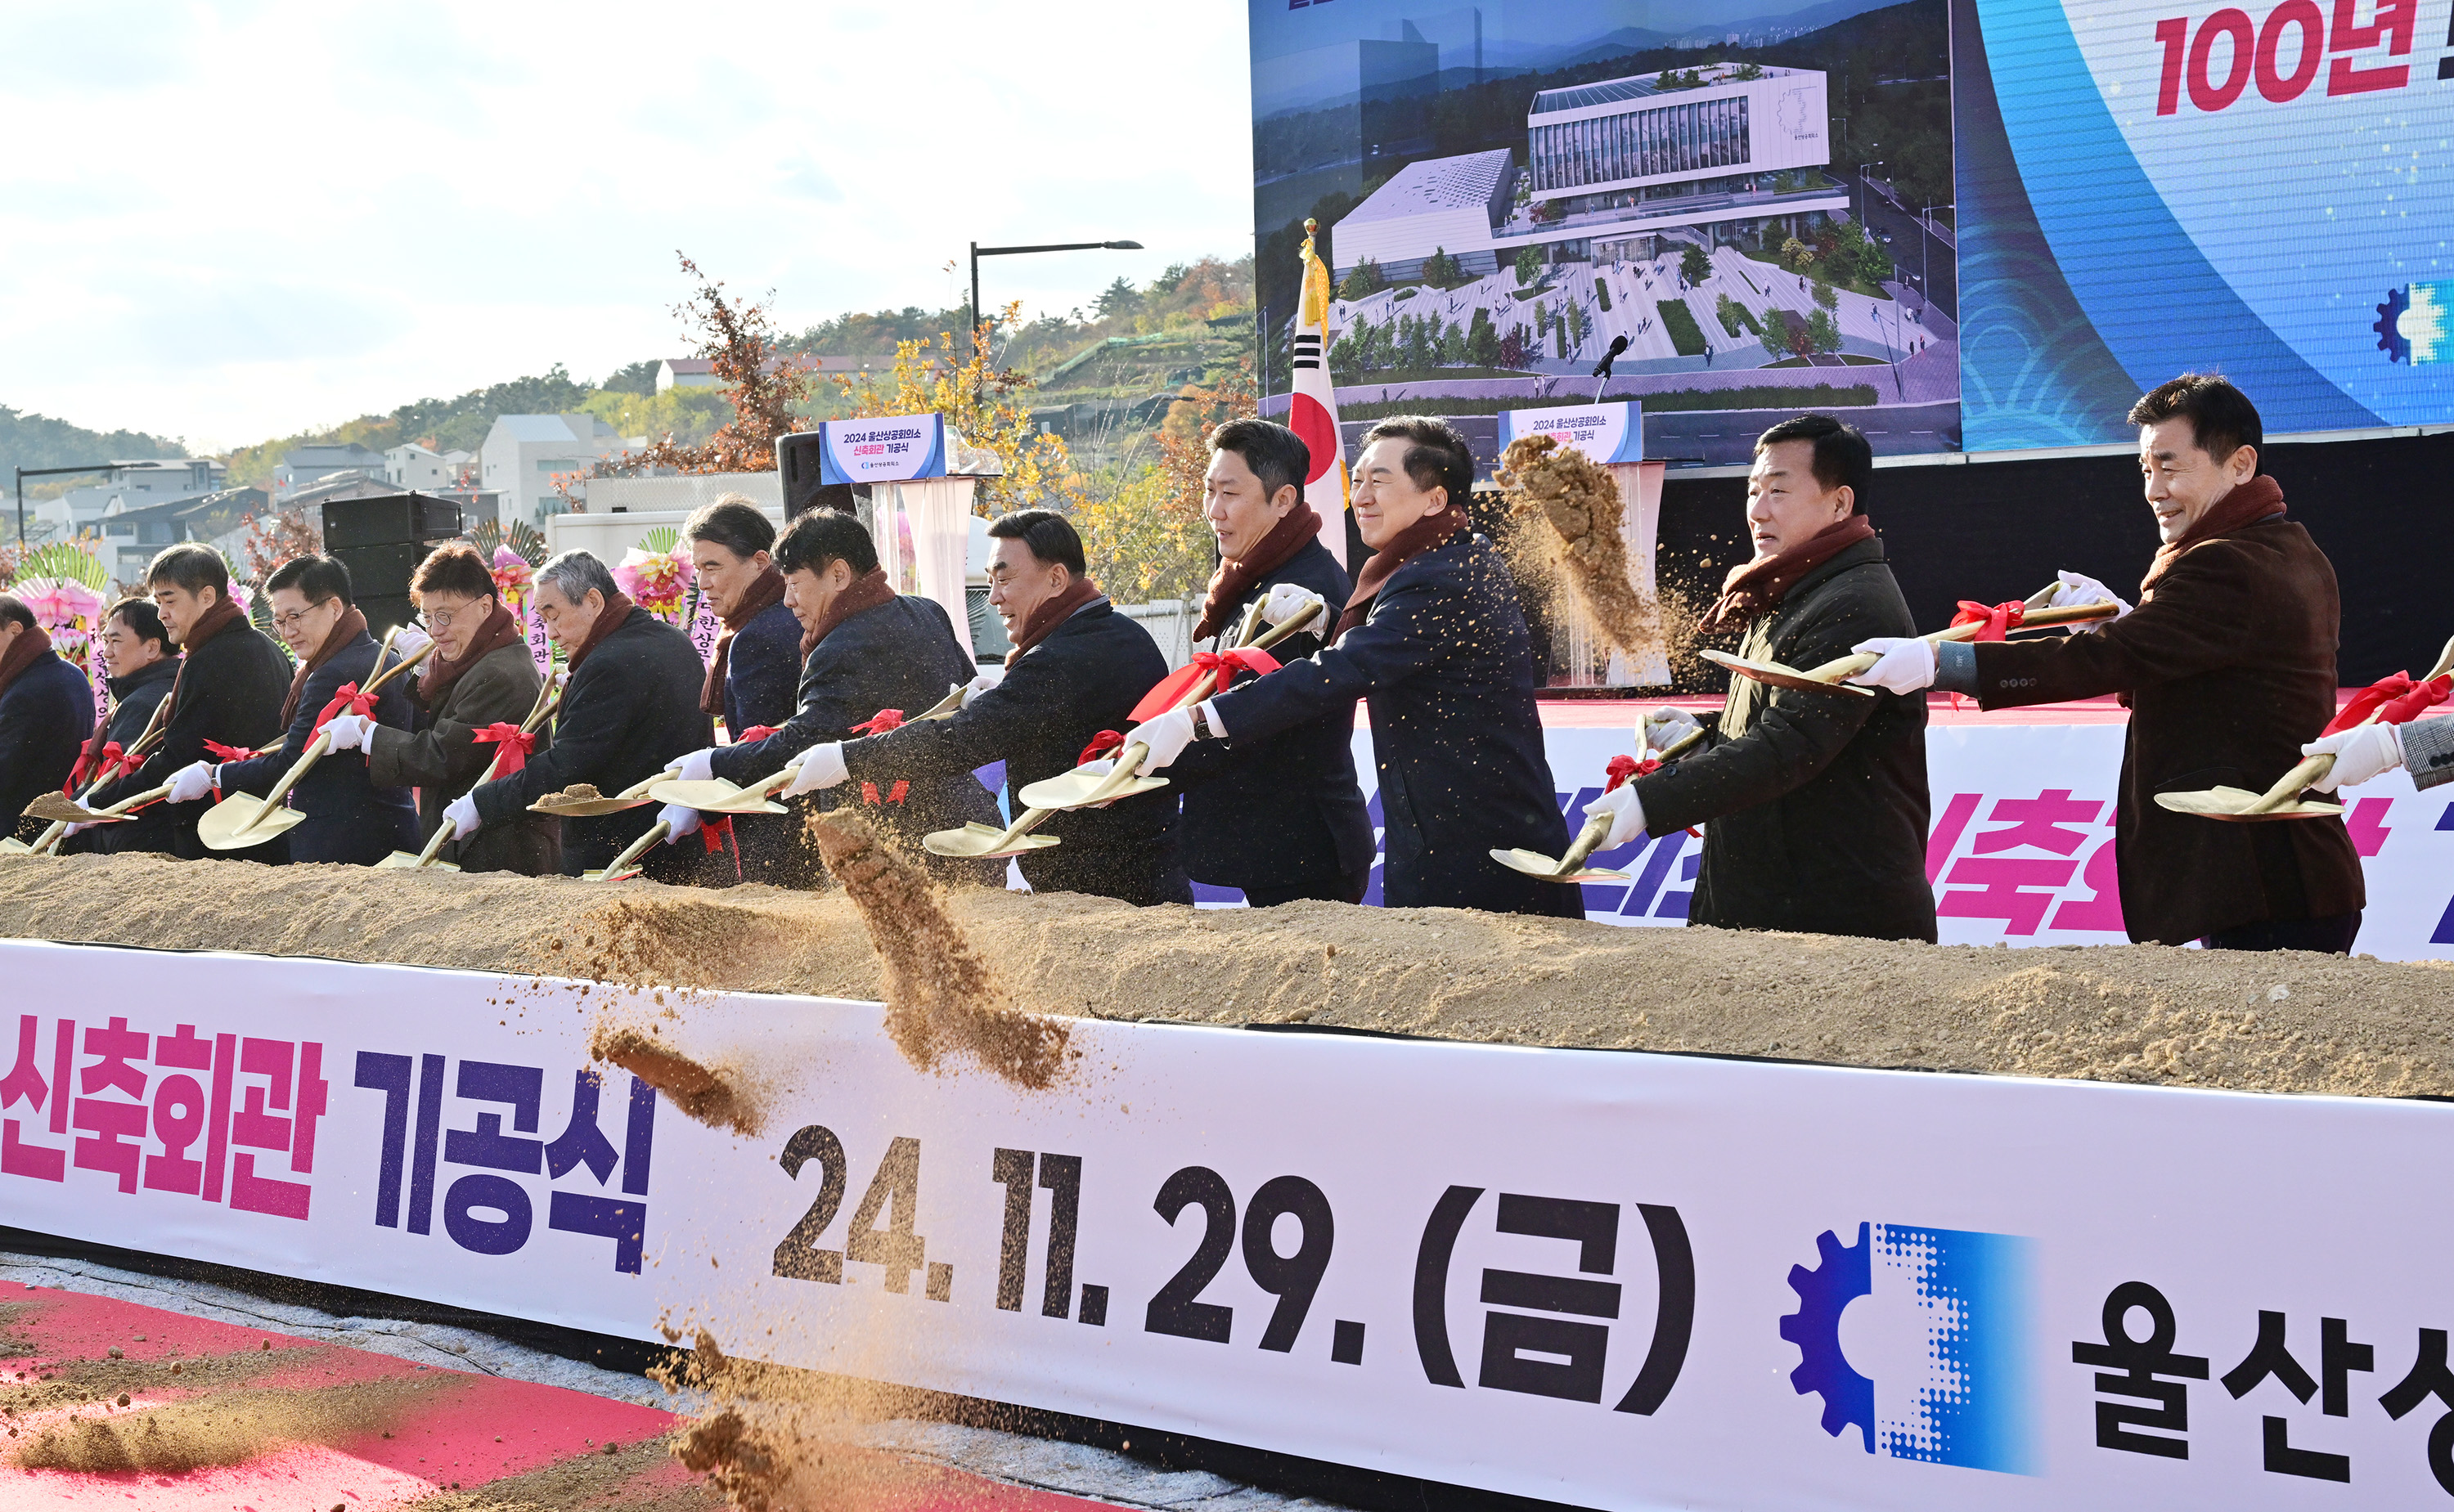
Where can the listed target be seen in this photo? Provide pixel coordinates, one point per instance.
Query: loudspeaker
(391, 519)
(796, 467)
(386, 613)
(382, 572)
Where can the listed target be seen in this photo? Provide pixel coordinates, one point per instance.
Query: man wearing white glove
(2227, 666)
(461, 814)
(348, 732)
(1667, 727)
(2361, 752)
(696, 767)
(1628, 815)
(821, 768)
(685, 822)
(192, 783)
(2073, 589)
(989, 677)
(1279, 816)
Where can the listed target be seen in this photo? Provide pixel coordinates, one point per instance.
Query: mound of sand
(2131, 1013)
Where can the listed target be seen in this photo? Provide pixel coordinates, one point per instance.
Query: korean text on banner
(895, 448)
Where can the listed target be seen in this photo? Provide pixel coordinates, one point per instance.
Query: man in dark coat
(349, 819)
(469, 700)
(1280, 816)
(750, 682)
(137, 660)
(871, 651)
(1433, 640)
(227, 696)
(46, 714)
(629, 710)
(1076, 670)
(1814, 805)
(2228, 665)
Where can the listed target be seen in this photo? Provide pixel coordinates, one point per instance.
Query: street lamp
(1925, 248)
(23, 473)
(978, 316)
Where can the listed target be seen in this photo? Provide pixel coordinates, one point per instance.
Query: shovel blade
(714, 796)
(56, 808)
(1076, 788)
(1535, 864)
(13, 846)
(1776, 675)
(2228, 803)
(407, 861)
(588, 808)
(623, 875)
(234, 824)
(980, 842)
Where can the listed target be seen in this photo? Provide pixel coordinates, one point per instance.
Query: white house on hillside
(127, 486)
(523, 453)
(421, 470)
(305, 465)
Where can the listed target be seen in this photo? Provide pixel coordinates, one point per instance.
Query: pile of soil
(2129, 1013)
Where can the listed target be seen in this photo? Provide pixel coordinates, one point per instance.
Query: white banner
(1604, 433)
(1609, 1279)
(894, 449)
(2021, 848)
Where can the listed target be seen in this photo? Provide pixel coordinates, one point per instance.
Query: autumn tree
(1146, 537)
(984, 405)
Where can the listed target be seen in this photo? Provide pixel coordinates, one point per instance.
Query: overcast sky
(233, 221)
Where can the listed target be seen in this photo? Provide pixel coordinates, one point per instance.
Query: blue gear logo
(1961, 1303)
(1846, 1275)
(2411, 324)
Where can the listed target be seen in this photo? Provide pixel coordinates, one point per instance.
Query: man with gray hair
(630, 711)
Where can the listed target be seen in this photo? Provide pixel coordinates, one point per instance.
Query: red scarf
(31, 642)
(1231, 580)
(617, 608)
(1758, 587)
(499, 629)
(1404, 546)
(765, 591)
(1039, 621)
(868, 592)
(2245, 505)
(345, 630)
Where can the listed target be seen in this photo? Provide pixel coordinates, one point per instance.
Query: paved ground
(566, 1411)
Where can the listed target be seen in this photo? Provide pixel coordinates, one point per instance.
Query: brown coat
(442, 761)
(2229, 667)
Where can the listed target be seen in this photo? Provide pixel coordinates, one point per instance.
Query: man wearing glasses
(350, 821)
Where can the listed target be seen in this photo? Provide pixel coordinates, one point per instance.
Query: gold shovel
(631, 797)
(1828, 678)
(242, 818)
(944, 708)
(49, 840)
(1572, 868)
(621, 868)
(1081, 787)
(2284, 800)
(401, 859)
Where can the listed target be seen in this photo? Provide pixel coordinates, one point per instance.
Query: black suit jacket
(350, 821)
(1285, 805)
(1446, 666)
(630, 711)
(45, 718)
(760, 670)
(1083, 678)
(229, 689)
(133, 700)
(900, 655)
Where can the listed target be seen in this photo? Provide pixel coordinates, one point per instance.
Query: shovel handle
(1848, 667)
(1682, 744)
(656, 832)
(434, 844)
(2314, 768)
(52, 836)
(1588, 841)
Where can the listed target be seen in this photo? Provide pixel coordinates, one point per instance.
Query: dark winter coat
(229, 690)
(1280, 816)
(761, 669)
(46, 717)
(133, 700)
(1086, 676)
(351, 820)
(631, 710)
(2229, 667)
(1814, 805)
(439, 756)
(900, 655)
(1446, 666)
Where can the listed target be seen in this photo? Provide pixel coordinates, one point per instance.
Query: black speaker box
(386, 611)
(381, 572)
(796, 467)
(391, 519)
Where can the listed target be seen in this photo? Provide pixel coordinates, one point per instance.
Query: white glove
(821, 766)
(685, 822)
(2360, 753)
(1166, 736)
(2078, 588)
(990, 677)
(191, 782)
(1666, 728)
(407, 641)
(1906, 663)
(350, 732)
(461, 814)
(1287, 600)
(696, 767)
(74, 830)
(1628, 815)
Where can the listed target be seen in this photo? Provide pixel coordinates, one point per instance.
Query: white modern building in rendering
(1612, 166)
(523, 453)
